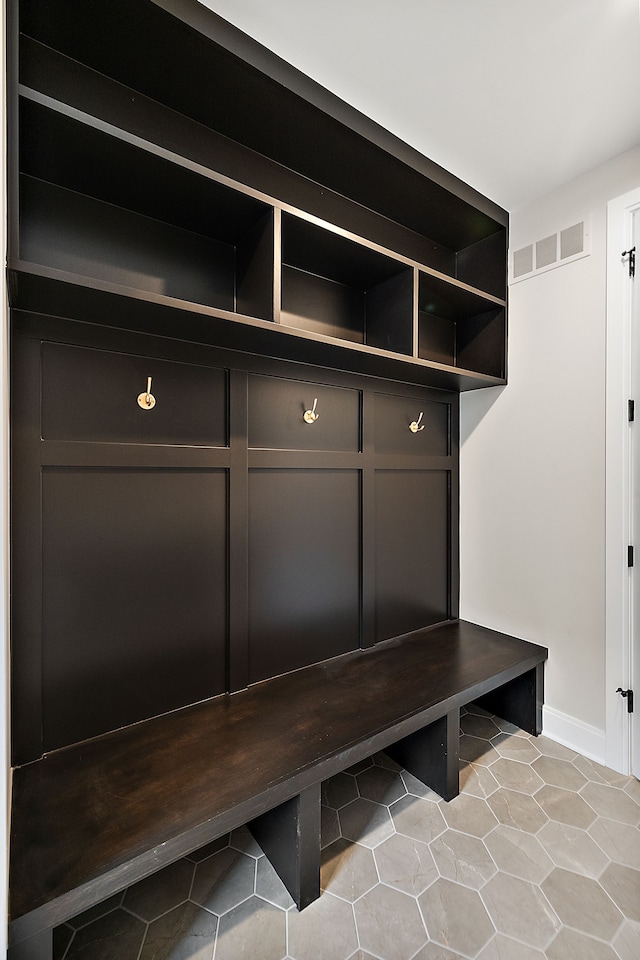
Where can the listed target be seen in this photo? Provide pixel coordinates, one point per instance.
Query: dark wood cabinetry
(193, 220)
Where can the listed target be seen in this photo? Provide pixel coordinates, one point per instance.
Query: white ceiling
(513, 96)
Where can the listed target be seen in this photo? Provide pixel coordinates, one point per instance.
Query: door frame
(618, 520)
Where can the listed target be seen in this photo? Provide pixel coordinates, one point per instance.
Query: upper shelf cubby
(342, 289)
(94, 205)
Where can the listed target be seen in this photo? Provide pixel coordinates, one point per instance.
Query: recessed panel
(394, 419)
(296, 415)
(93, 395)
(134, 596)
(304, 559)
(412, 550)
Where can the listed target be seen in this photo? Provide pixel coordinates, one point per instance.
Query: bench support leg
(39, 947)
(519, 701)
(290, 837)
(432, 755)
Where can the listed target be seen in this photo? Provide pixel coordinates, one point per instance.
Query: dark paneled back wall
(166, 555)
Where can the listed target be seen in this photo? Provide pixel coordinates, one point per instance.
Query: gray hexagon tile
(516, 775)
(599, 774)
(479, 726)
(434, 951)
(550, 748)
(160, 892)
(573, 945)
(559, 773)
(224, 881)
(520, 910)
(417, 788)
(389, 923)
(186, 933)
(620, 841)
(469, 814)
(623, 886)
(462, 858)
(116, 936)
(366, 822)
(515, 748)
(477, 780)
(581, 903)
(348, 869)
(329, 826)
(565, 807)
(380, 785)
(476, 750)
(456, 917)
(339, 790)
(328, 922)
(572, 848)
(417, 818)
(243, 840)
(270, 887)
(627, 941)
(252, 929)
(520, 854)
(504, 948)
(405, 864)
(611, 802)
(517, 810)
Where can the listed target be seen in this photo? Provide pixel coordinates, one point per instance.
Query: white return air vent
(567, 245)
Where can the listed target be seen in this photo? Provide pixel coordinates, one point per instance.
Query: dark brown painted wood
(92, 395)
(290, 836)
(238, 585)
(39, 947)
(432, 754)
(520, 701)
(393, 416)
(166, 786)
(412, 550)
(304, 567)
(134, 612)
(276, 416)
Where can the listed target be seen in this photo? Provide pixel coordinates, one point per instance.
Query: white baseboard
(575, 734)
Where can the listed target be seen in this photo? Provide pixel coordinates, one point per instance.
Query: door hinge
(628, 695)
(632, 260)
(632, 410)
(629, 556)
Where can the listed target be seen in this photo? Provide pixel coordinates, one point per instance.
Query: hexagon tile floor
(539, 857)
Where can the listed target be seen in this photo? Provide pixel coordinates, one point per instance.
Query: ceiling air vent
(559, 248)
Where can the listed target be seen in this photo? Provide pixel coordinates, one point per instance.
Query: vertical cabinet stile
(238, 590)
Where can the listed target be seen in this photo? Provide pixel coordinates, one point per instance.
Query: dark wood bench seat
(91, 819)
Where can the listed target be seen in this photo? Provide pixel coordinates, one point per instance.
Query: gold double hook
(414, 426)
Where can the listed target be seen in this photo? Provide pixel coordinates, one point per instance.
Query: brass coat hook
(414, 426)
(310, 416)
(147, 401)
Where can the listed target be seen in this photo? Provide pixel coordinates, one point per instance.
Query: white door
(634, 645)
(623, 485)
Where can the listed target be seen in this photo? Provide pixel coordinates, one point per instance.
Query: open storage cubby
(460, 328)
(233, 188)
(343, 289)
(95, 205)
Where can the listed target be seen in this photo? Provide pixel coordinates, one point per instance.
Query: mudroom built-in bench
(93, 818)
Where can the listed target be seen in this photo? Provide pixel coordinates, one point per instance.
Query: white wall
(533, 464)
